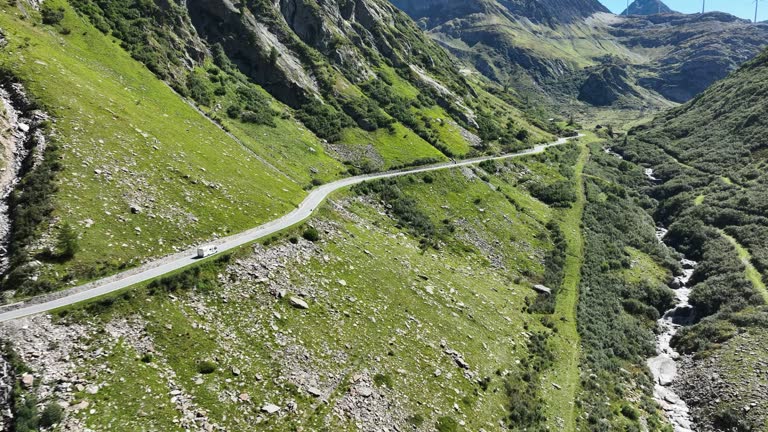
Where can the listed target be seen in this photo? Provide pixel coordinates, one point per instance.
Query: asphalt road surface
(161, 266)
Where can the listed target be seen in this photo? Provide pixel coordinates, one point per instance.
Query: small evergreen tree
(67, 244)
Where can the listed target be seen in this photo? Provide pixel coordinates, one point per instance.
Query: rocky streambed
(19, 134)
(664, 365)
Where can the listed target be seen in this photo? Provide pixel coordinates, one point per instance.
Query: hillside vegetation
(408, 306)
(710, 157)
(136, 170)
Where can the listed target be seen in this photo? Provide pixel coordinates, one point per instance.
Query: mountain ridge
(647, 7)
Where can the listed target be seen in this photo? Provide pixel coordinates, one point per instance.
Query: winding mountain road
(180, 260)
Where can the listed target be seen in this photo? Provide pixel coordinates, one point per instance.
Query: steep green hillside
(413, 307)
(367, 62)
(121, 138)
(710, 157)
(139, 168)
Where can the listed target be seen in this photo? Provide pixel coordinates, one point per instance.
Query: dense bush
(366, 113)
(322, 119)
(202, 277)
(51, 415)
(206, 367)
(559, 194)
(51, 15)
(311, 234)
(67, 243)
(404, 208)
(554, 265)
(616, 317)
(524, 400)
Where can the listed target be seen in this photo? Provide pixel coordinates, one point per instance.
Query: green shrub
(311, 234)
(199, 89)
(321, 119)
(559, 194)
(206, 367)
(415, 420)
(67, 243)
(51, 15)
(630, 412)
(383, 380)
(51, 415)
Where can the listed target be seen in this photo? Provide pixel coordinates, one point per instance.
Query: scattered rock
(298, 303)
(270, 408)
(27, 380)
(364, 391)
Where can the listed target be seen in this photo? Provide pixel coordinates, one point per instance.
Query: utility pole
(756, 3)
(703, 4)
(627, 10)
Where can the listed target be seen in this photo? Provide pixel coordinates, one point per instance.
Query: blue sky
(741, 8)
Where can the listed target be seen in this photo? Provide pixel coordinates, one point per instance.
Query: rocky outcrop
(550, 12)
(605, 85)
(727, 390)
(647, 7)
(698, 49)
(23, 145)
(250, 45)
(7, 379)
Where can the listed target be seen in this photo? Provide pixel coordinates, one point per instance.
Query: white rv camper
(206, 251)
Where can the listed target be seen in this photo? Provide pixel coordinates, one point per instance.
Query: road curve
(161, 266)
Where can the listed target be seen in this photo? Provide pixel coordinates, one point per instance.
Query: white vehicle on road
(206, 251)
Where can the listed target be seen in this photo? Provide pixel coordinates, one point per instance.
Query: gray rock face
(647, 7)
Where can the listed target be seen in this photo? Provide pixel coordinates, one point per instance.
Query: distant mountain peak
(647, 7)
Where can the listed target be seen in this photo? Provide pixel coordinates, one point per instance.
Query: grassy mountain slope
(210, 151)
(416, 297)
(125, 139)
(709, 155)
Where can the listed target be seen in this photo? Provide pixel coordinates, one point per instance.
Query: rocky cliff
(309, 55)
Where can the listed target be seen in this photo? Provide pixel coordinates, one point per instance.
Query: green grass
(383, 318)
(644, 268)
(750, 271)
(403, 147)
(294, 149)
(565, 373)
(112, 115)
(447, 131)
